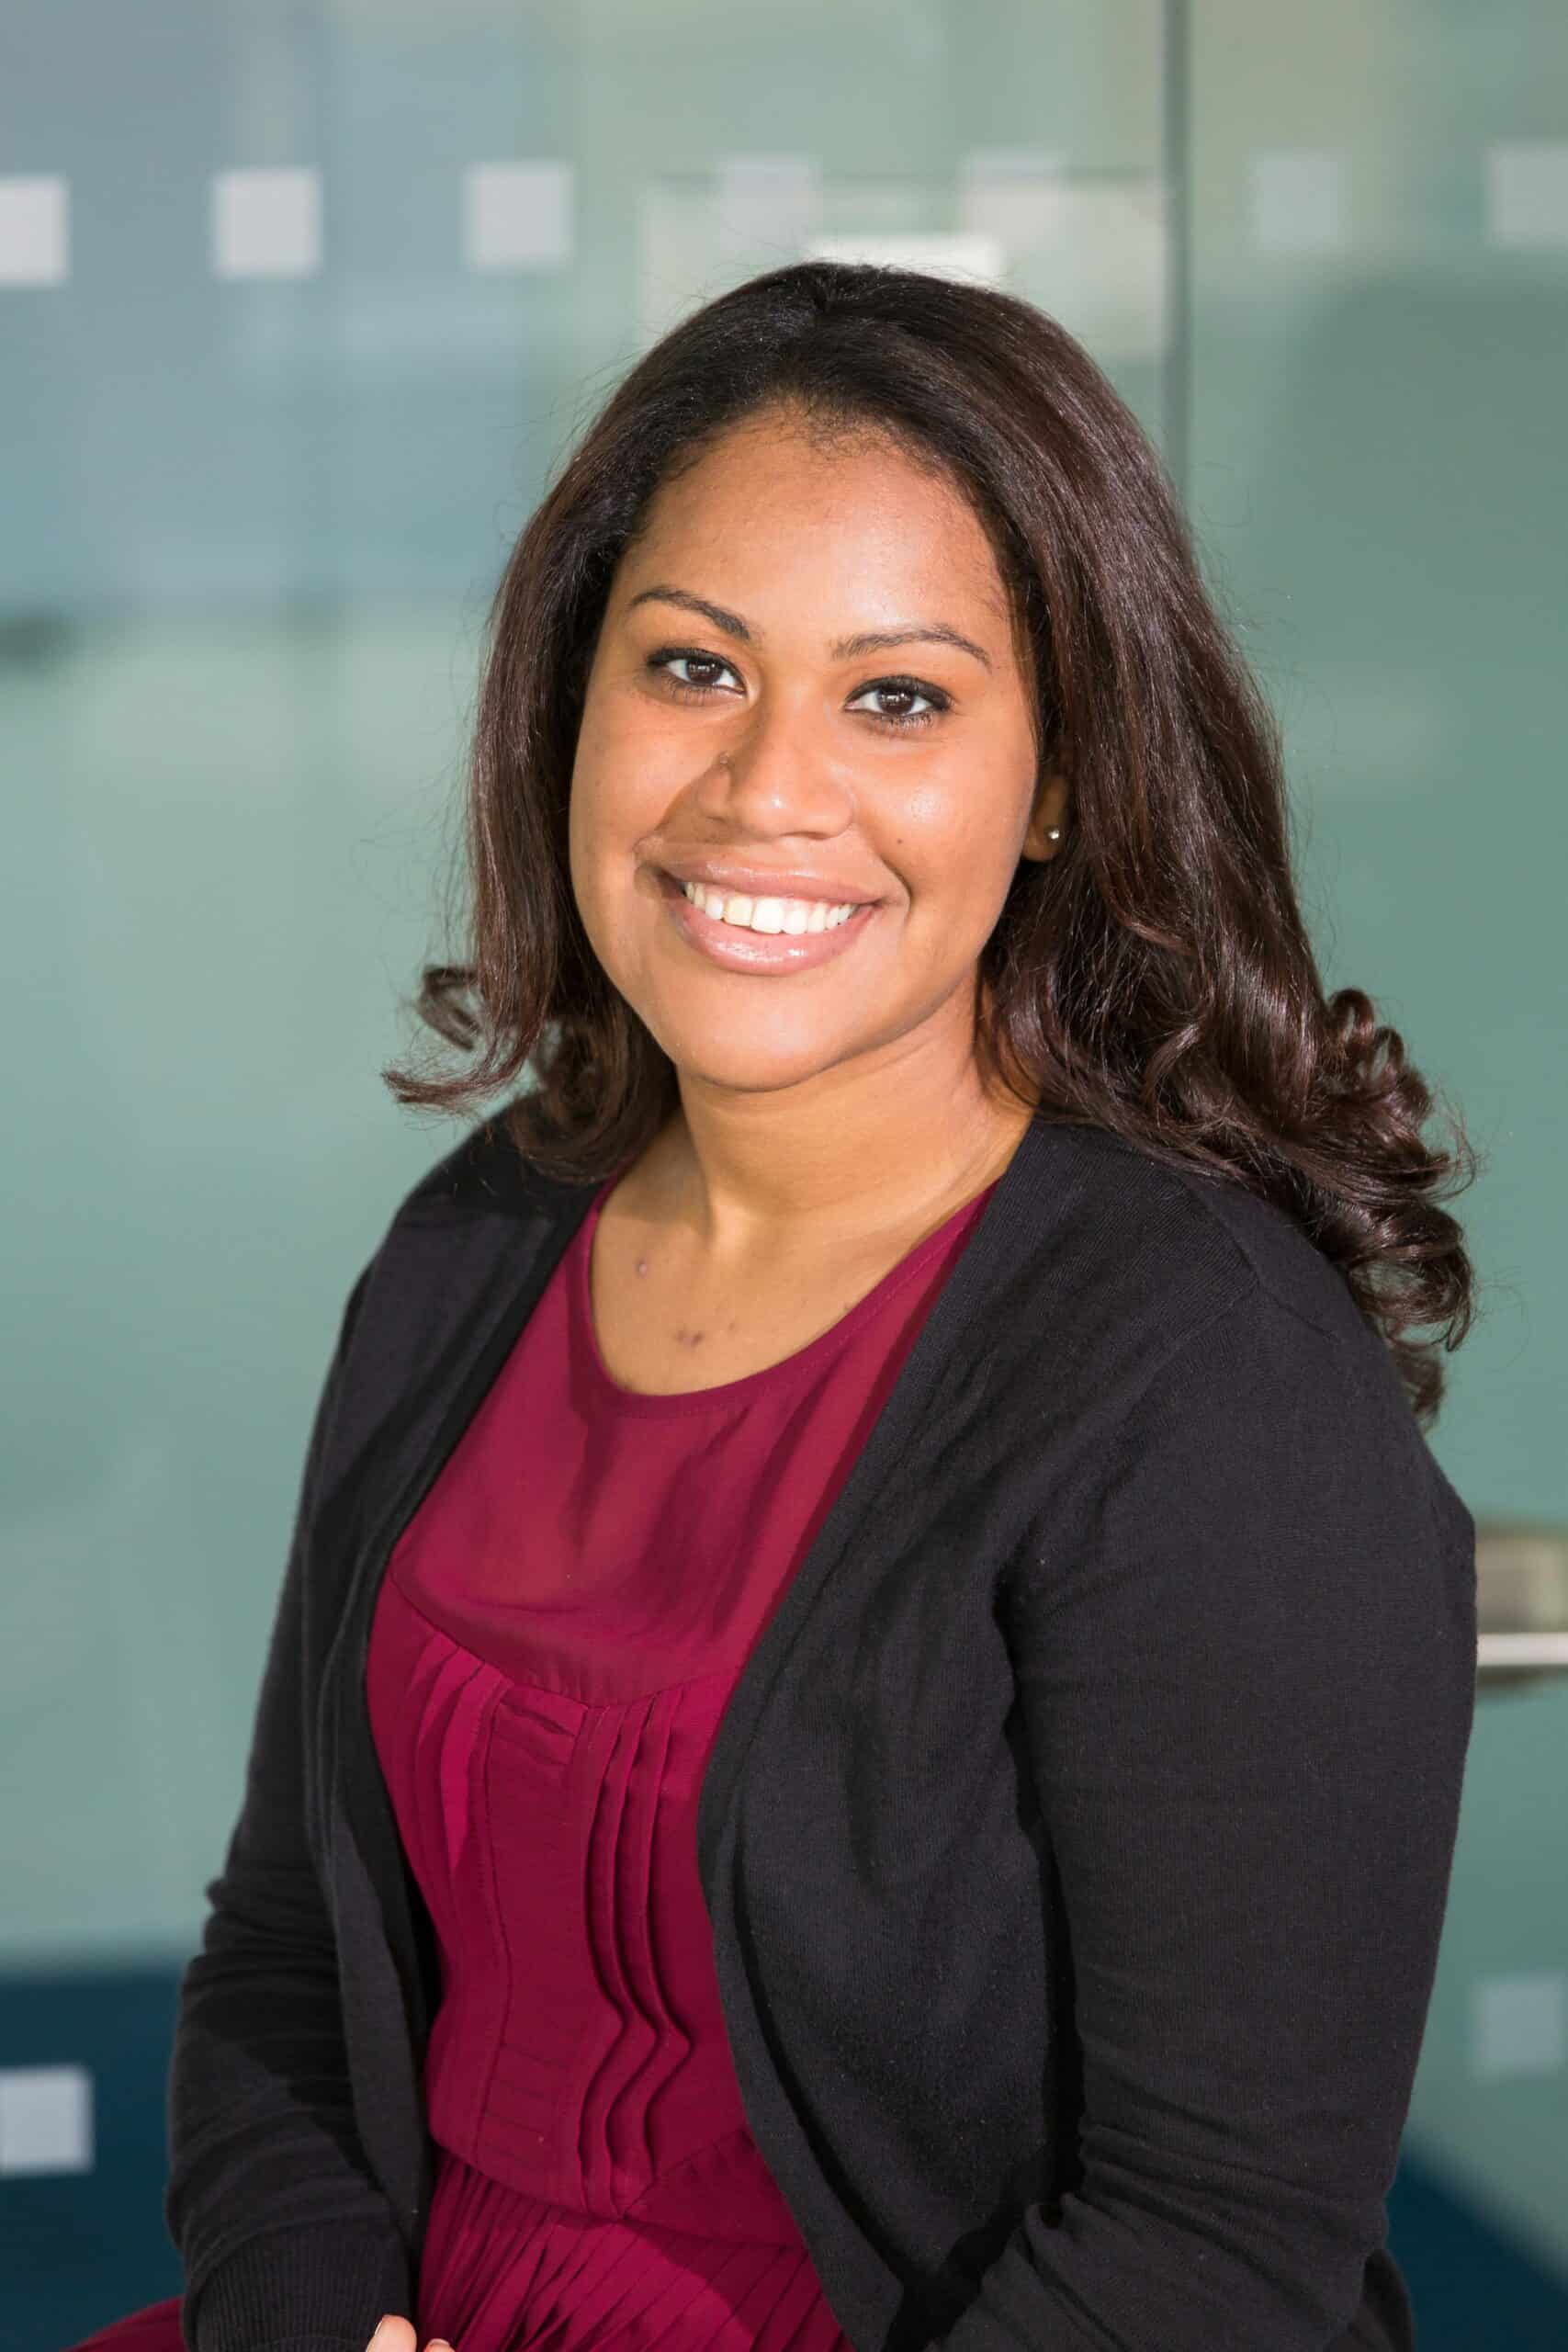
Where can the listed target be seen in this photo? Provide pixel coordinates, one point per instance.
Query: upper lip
(762, 881)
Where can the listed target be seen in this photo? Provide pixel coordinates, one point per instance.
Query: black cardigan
(1075, 1841)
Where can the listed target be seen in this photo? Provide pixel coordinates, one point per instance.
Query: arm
(1248, 1697)
(287, 2240)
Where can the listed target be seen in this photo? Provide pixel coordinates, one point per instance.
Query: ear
(1049, 808)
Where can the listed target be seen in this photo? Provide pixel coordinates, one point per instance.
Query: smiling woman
(864, 1727)
(1068, 814)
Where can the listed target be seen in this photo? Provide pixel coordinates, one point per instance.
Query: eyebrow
(846, 649)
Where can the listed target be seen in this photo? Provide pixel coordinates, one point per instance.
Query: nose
(779, 776)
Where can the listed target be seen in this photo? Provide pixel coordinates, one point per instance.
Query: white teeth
(791, 915)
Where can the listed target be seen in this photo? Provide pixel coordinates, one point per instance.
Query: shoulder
(1139, 1303)
(1200, 1377)
(1172, 1245)
(476, 1229)
(485, 1173)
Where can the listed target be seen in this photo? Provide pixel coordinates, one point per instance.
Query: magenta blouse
(559, 1628)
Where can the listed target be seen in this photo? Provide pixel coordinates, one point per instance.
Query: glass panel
(1380, 379)
(301, 302)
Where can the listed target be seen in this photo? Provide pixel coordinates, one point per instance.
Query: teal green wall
(250, 528)
(1377, 470)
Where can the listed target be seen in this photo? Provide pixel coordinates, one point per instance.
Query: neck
(856, 1152)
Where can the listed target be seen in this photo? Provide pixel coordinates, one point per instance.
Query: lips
(736, 880)
(762, 955)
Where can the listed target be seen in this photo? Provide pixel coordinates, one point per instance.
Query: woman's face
(733, 731)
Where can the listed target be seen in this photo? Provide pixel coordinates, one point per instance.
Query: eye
(695, 689)
(668, 655)
(909, 689)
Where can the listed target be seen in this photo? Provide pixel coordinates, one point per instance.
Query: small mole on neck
(642, 1265)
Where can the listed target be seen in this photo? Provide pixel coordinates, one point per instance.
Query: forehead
(776, 499)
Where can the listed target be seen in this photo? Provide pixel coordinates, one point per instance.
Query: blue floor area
(77, 2250)
(1474, 2290)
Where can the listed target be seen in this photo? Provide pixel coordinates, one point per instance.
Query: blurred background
(301, 300)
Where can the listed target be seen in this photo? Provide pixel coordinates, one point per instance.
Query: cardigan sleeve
(286, 2239)
(1248, 1696)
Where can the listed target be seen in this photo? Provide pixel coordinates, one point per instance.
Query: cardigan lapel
(1007, 1225)
(388, 1960)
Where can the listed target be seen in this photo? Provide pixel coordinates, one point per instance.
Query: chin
(742, 1069)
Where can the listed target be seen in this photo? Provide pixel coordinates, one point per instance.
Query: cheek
(606, 819)
(592, 809)
(956, 843)
(578, 825)
(617, 790)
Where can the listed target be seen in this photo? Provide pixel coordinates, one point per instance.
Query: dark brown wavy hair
(1155, 977)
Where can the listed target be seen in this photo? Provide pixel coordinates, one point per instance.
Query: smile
(764, 936)
(793, 916)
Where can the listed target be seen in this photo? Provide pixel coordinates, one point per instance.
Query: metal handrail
(1521, 1570)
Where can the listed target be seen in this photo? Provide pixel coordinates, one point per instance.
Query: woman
(865, 1731)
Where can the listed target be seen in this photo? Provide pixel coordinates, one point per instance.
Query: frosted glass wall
(298, 304)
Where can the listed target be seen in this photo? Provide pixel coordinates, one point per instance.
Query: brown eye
(907, 689)
(668, 655)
